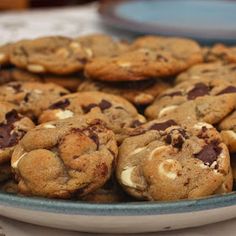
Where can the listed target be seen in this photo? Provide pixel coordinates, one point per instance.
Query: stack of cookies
(100, 120)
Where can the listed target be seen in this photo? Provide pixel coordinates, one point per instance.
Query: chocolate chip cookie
(119, 112)
(31, 98)
(101, 45)
(212, 71)
(5, 54)
(70, 82)
(228, 131)
(57, 55)
(187, 91)
(13, 126)
(65, 158)
(164, 161)
(139, 64)
(221, 52)
(140, 93)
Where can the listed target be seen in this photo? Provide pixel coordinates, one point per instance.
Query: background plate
(204, 20)
(136, 217)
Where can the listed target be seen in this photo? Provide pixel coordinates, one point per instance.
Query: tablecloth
(73, 22)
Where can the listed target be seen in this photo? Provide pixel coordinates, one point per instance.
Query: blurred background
(25, 4)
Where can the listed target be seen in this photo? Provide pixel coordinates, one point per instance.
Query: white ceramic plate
(134, 217)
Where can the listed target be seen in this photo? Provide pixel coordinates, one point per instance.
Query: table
(73, 22)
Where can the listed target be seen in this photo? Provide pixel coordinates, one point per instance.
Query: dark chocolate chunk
(161, 58)
(178, 93)
(26, 98)
(229, 89)
(209, 153)
(176, 137)
(60, 105)
(88, 108)
(163, 125)
(7, 138)
(104, 104)
(200, 89)
(95, 138)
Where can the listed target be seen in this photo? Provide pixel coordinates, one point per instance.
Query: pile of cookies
(100, 120)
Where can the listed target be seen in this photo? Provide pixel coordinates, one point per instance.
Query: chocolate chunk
(16, 87)
(176, 138)
(200, 89)
(26, 98)
(7, 138)
(95, 138)
(88, 108)
(230, 89)
(163, 126)
(60, 105)
(104, 104)
(178, 93)
(209, 153)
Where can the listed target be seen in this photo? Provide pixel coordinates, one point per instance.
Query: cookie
(228, 131)
(31, 98)
(139, 64)
(209, 71)
(13, 126)
(221, 52)
(5, 172)
(140, 93)
(187, 91)
(5, 54)
(101, 45)
(65, 158)
(210, 109)
(70, 82)
(182, 49)
(120, 114)
(55, 54)
(164, 161)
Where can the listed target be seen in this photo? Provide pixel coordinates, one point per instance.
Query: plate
(204, 20)
(136, 217)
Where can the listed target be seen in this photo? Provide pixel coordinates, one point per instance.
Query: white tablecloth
(73, 22)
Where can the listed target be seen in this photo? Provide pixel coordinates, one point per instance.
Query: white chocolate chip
(141, 118)
(49, 126)
(137, 150)
(75, 45)
(14, 165)
(62, 52)
(37, 91)
(214, 164)
(169, 168)
(157, 151)
(199, 125)
(126, 175)
(36, 68)
(64, 114)
(89, 52)
(124, 64)
(166, 110)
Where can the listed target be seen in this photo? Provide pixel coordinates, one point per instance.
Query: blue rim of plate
(118, 209)
(109, 16)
